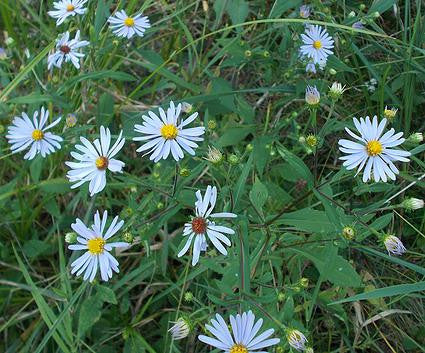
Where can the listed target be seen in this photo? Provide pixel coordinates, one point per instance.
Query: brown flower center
(65, 49)
(199, 225)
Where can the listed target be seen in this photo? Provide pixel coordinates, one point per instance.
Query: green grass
(236, 62)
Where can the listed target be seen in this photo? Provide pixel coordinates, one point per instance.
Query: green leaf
(35, 168)
(90, 313)
(233, 136)
(105, 110)
(106, 294)
(33, 247)
(238, 11)
(242, 180)
(258, 195)
(297, 165)
(332, 266)
(400, 289)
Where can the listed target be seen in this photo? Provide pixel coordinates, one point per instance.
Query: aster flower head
(393, 245)
(167, 134)
(373, 150)
(180, 329)
(305, 11)
(127, 26)
(312, 96)
(67, 50)
(3, 54)
(318, 44)
(94, 241)
(296, 339)
(390, 113)
(312, 66)
(203, 226)
(94, 160)
(24, 133)
(66, 8)
(244, 338)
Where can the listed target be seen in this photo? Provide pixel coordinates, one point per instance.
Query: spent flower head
(393, 244)
(180, 329)
(214, 155)
(311, 140)
(312, 96)
(390, 113)
(71, 237)
(70, 120)
(296, 339)
(305, 11)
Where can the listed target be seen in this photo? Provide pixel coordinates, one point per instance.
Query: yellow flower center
(374, 148)
(96, 245)
(37, 135)
(169, 131)
(102, 163)
(317, 44)
(238, 348)
(129, 22)
(70, 7)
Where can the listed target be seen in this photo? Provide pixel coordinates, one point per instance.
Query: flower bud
(352, 14)
(188, 297)
(233, 159)
(249, 147)
(266, 54)
(71, 237)
(304, 282)
(212, 124)
(248, 53)
(184, 172)
(362, 7)
(281, 297)
(128, 237)
(332, 72)
(348, 232)
(311, 140)
(412, 204)
(416, 138)
(376, 14)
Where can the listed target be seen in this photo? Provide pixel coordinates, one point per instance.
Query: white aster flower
(127, 26)
(311, 66)
(394, 245)
(201, 226)
(244, 329)
(373, 151)
(296, 339)
(167, 134)
(317, 44)
(180, 329)
(66, 8)
(95, 159)
(95, 242)
(24, 133)
(67, 50)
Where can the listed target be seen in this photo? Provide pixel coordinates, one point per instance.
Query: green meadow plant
(212, 176)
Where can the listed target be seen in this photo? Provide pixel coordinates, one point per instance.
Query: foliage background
(237, 62)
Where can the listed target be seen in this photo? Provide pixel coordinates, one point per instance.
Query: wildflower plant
(195, 176)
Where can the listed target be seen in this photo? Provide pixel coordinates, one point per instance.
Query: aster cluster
(166, 133)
